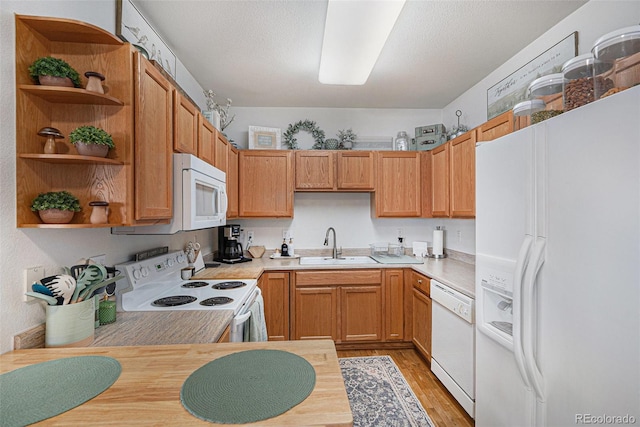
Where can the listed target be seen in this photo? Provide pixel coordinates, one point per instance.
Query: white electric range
(155, 284)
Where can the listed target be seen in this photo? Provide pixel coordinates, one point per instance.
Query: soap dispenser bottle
(285, 248)
(291, 250)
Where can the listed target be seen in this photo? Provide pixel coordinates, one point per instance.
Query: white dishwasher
(453, 343)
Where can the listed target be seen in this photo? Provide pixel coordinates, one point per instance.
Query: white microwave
(199, 198)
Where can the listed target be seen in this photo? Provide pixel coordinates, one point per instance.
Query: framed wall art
(263, 138)
(512, 89)
(132, 27)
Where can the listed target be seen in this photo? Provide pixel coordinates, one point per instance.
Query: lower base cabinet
(226, 335)
(275, 292)
(421, 306)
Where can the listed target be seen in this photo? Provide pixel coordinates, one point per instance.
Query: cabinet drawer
(342, 277)
(420, 282)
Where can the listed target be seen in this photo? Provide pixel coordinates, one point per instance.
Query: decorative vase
(93, 150)
(55, 81)
(94, 84)
(56, 216)
(99, 213)
(331, 144)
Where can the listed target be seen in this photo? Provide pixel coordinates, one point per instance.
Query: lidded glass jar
(622, 47)
(523, 112)
(585, 80)
(549, 90)
(402, 141)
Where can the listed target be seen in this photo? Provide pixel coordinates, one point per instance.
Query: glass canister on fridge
(622, 48)
(585, 80)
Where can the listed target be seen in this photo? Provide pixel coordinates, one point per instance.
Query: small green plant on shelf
(91, 141)
(56, 207)
(54, 67)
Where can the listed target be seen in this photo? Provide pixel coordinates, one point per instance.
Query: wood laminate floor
(442, 408)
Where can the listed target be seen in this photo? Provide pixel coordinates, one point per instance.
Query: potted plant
(91, 141)
(56, 207)
(347, 139)
(50, 71)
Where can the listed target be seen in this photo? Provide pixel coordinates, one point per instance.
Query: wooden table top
(148, 390)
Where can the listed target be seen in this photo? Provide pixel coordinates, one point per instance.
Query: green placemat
(248, 386)
(37, 392)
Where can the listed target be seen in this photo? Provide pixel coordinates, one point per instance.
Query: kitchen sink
(319, 260)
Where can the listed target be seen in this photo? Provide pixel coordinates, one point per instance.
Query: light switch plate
(31, 275)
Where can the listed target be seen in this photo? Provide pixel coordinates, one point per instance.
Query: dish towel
(256, 327)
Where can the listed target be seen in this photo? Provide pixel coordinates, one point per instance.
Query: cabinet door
(185, 125)
(398, 184)
(394, 305)
(495, 128)
(232, 183)
(316, 313)
(361, 313)
(206, 138)
(426, 184)
(315, 170)
(422, 323)
(221, 152)
(463, 176)
(153, 143)
(266, 183)
(440, 181)
(275, 292)
(355, 170)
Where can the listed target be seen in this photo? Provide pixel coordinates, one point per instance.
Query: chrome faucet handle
(339, 252)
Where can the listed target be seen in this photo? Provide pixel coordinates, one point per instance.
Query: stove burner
(173, 301)
(194, 284)
(216, 301)
(228, 285)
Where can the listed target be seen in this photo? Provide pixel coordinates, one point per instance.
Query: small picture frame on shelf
(264, 138)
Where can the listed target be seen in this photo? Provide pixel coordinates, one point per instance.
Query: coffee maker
(229, 248)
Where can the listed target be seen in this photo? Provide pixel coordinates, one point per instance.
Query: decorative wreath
(307, 125)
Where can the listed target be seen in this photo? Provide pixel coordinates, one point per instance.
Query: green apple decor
(56, 207)
(50, 71)
(91, 141)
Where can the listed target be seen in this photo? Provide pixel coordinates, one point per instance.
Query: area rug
(379, 395)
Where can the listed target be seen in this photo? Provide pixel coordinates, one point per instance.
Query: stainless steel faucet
(326, 242)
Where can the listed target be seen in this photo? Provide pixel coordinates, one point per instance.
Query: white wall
(593, 20)
(50, 248)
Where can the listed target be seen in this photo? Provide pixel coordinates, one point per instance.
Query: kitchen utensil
(42, 289)
(87, 292)
(90, 275)
(61, 285)
(49, 299)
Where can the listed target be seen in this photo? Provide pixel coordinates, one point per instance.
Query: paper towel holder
(430, 253)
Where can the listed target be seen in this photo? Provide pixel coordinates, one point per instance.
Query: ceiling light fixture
(355, 32)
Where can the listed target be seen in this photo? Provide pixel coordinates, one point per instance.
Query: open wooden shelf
(41, 225)
(69, 95)
(71, 159)
(69, 30)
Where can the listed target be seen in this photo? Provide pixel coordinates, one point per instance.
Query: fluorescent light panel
(354, 34)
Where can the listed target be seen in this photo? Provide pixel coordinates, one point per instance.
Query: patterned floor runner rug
(379, 395)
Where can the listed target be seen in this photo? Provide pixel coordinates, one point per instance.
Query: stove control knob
(181, 258)
(145, 271)
(170, 262)
(137, 274)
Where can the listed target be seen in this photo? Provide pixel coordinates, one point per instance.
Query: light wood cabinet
(393, 315)
(226, 335)
(495, 128)
(85, 47)
(316, 313)
(360, 313)
(356, 170)
(185, 125)
(334, 170)
(398, 192)
(421, 314)
(221, 148)
(232, 183)
(463, 176)
(265, 186)
(315, 170)
(206, 138)
(439, 180)
(275, 292)
(153, 143)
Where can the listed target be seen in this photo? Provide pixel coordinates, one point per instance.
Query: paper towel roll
(438, 241)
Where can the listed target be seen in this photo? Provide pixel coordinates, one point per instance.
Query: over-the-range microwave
(199, 198)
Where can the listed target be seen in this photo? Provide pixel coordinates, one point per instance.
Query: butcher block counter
(148, 389)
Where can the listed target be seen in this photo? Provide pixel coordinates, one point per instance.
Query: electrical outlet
(459, 236)
(250, 234)
(285, 233)
(31, 275)
(400, 234)
(99, 259)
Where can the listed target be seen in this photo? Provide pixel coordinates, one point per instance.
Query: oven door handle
(241, 318)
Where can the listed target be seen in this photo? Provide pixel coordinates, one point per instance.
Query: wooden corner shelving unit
(86, 48)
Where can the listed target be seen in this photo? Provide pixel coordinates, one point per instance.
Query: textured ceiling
(267, 52)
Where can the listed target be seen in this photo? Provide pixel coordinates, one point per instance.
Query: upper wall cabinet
(320, 170)
(398, 192)
(185, 124)
(136, 110)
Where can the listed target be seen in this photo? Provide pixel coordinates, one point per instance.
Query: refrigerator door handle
(521, 263)
(529, 317)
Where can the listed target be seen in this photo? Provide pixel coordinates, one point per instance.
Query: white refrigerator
(558, 270)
